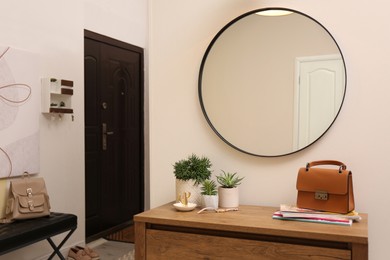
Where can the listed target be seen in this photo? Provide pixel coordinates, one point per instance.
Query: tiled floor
(113, 250)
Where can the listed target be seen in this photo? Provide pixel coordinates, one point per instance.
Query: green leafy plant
(193, 168)
(209, 187)
(229, 180)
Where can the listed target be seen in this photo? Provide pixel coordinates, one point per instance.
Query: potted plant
(209, 194)
(190, 173)
(228, 191)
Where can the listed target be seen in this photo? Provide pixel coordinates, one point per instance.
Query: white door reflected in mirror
(319, 91)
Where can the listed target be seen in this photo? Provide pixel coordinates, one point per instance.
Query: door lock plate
(104, 136)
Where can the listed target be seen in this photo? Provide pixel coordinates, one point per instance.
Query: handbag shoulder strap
(326, 162)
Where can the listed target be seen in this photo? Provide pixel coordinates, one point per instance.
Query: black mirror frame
(210, 46)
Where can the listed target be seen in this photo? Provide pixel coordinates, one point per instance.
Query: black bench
(26, 232)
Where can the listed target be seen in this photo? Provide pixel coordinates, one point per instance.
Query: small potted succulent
(189, 174)
(228, 191)
(209, 194)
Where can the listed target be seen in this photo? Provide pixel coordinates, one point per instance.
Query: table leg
(359, 251)
(140, 243)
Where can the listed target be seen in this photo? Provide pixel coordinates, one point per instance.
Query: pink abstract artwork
(19, 112)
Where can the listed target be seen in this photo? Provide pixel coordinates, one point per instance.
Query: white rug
(113, 250)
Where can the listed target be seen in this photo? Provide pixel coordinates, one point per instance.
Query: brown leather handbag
(326, 189)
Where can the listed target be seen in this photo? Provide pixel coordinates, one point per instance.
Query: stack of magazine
(288, 212)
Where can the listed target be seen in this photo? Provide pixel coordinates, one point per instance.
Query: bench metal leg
(57, 248)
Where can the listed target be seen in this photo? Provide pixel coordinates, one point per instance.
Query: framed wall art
(19, 112)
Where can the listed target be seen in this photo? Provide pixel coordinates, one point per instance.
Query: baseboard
(96, 243)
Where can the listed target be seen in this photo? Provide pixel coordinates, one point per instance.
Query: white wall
(180, 33)
(54, 30)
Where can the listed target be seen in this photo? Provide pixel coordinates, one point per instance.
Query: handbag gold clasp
(30, 205)
(321, 195)
(30, 202)
(29, 192)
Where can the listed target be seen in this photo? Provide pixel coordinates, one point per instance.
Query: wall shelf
(57, 96)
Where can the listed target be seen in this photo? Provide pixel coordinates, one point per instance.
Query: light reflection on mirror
(272, 85)
(274, 12)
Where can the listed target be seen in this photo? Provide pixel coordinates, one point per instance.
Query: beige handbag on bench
(27, 198)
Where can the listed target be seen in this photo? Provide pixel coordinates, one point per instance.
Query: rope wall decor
(15, 85)
(1, 56)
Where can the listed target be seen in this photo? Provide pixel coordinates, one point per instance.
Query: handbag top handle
(327, 162)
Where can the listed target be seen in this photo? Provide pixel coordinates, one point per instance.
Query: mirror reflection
(272, 85)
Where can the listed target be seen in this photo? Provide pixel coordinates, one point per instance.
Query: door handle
(104, 136)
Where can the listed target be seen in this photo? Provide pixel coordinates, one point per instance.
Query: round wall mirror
(271, 84)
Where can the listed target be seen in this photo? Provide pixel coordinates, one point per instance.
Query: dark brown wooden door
(113, 134)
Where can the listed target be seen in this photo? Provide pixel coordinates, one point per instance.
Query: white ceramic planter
(228, 197)
(210, 201)
(189, 186)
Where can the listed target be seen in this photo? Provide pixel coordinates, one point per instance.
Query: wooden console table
(250, 233)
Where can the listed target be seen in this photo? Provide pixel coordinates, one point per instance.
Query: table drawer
(163, 244)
